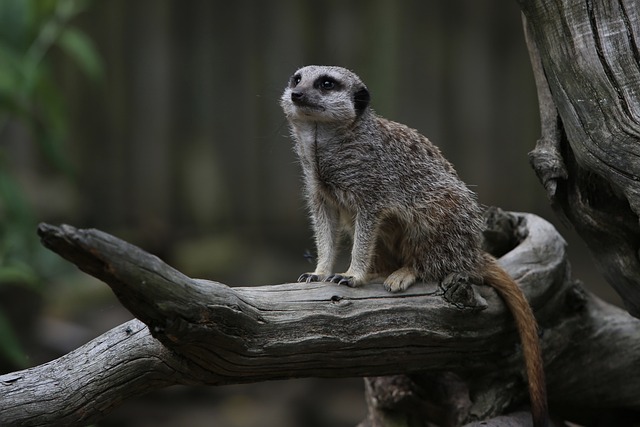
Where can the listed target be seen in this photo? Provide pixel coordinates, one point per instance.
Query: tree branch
(209, 333)
(82, 386)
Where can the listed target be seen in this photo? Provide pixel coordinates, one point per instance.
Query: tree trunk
(202, 332)
(585, 57)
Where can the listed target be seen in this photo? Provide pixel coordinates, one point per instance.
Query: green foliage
(29, 94)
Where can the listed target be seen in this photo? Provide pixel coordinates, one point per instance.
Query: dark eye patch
(295, 79)
(327, 83)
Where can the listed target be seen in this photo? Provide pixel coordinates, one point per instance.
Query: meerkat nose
(297, 96)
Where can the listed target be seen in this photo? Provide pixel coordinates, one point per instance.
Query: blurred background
(158, 121)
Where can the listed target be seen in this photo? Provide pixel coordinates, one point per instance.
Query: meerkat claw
(309, 277)
(347, 281)
(341, 280)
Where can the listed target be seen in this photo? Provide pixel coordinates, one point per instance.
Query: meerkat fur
(408, 213)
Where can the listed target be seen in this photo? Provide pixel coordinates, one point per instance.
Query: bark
(203, 332)
(585, 58)
(86, 384)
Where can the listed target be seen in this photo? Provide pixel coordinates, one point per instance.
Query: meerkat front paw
(344, 279)
(400, 280)
(311, 277)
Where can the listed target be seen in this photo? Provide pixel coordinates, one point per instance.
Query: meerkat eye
(328, 84)
(295, 80)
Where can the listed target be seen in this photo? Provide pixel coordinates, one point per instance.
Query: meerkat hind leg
(400, 279)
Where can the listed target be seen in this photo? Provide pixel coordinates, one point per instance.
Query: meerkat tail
(509, 290)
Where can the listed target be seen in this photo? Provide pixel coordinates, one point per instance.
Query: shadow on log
(455, 358)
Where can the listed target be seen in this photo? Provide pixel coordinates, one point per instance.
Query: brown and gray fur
(409, 215)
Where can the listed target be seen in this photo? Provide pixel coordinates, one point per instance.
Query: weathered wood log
(207, 333)
(585, 57)
(84, 385)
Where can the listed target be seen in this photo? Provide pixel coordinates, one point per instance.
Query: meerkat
(409, 215)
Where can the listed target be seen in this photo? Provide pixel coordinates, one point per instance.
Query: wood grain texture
(83, 386)
(585, 56)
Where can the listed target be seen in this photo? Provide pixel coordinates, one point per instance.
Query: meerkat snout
(297, 97)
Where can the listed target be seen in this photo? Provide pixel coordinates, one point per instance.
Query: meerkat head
(324, 94)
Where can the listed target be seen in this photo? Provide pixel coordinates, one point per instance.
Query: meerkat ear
(361, 100)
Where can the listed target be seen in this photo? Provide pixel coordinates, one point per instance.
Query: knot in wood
(576, 297)
(458, 290)
(502, 231)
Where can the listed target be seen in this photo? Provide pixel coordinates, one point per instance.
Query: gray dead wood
(585, 56)
(461, 339)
